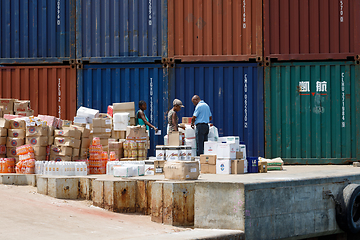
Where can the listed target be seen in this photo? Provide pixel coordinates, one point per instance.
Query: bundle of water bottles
(53, 168)
(7, 165)
(98, 158)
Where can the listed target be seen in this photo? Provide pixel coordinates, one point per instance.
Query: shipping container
(114, 31)
(311, 29)
(218, 30)
(103, 85)
(312, 112)
(37, 31)
(234, 92)
(51, 89)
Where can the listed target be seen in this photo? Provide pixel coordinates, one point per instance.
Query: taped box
(14, 142)
(85, 133)
(77, 132)
(16, 133)
(37, 141)
(181, 170)
(17, 124)
(102, 123)
(37, 131)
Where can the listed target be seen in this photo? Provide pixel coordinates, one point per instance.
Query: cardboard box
(186, 120)
(25, 114)
(64, 141)
(100, 130)
(83, 152)
(37, 141)
(14, 142)
(8, 104)
(2, 149)
(102, 135)
(208, 159)
(115, 145)
(175, 138)
(37, 131)
(16, 133)
(159, 167)
(262, 167)
(4, 132)
(181, 170)
(51, 140)
(211, 169)
(65, 133)
(210, 148)
(51, 131)
(223, 166)
(85, 143)
(237, 166)
(61, 151)
(41, 158)
(76, 133)
(204, 168)
(118, 134)
(125, 107)
(104, 142)
(103, 115)
(11, 152)
(3, 140)
(85, 133)
(76, 152)
(4, 123)
(239, 155)
(136, 132)
(61, 158)
(226, 150)
(39, 151)
(22, 106)
(102, 123)
(17, 124)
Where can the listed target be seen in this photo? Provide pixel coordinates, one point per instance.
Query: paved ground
(26, 214)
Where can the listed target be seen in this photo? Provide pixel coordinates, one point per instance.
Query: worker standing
(201, 118)
(141, 119)
(173, 119)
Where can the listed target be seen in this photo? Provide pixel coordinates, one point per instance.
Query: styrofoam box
(226, 150)
(210, 148)
(231, 139)
(223, 166)
(123, 171)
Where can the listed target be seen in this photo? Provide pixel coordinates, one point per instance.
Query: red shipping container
(311, 29)
(218, 30)
(51, 89)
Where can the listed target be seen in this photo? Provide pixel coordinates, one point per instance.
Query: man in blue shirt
(201, 118)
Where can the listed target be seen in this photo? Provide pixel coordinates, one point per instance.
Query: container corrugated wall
(234, 92)
(219, 30)
(103, 85)
(121, 31)
(51, 89)
(312, 112)
(311, 29)
(37, 31)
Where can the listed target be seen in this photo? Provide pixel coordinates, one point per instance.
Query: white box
(231, 139)
(223, 166)
(242, 149)
(124, 171)
(226, 150)
(88, 113)
(120, 126)
(210, 148)
(172, 153)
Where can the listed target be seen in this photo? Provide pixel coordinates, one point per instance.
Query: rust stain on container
(157, 202)
(98, 193)
(51, 89)
(124, 196)
(143, 196)
(219, 30)
(311, 29)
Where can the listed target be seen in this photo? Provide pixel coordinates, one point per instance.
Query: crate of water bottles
(125, 168)
(63, 168)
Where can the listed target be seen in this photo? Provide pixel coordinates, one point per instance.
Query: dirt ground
(25, 214)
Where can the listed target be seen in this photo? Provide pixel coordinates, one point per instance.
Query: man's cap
(177, 102)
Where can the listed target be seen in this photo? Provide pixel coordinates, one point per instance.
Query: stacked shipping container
(161, 50)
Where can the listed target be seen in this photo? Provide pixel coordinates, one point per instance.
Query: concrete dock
(288, 204)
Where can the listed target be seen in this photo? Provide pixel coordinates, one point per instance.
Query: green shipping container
(312, 112)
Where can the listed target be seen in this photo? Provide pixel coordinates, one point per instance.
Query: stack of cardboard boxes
(116, 147)
(38, 138)
(125, 107)
(136, 144)
(85, 141)
(16, 137)
(4, 125)
(66, 144)
(102, 128)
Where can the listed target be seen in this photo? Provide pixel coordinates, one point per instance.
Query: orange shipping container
(218, 30)
(51, 89)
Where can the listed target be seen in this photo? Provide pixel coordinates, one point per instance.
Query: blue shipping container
(37, 31)
(103, 85)
(234, 92)
(114, 31)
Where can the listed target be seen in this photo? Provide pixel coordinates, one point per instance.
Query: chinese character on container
(304, 86)
(321, 86)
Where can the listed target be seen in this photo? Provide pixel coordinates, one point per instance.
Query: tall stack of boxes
(66, 140)
(38, 138)
(123, 115)
(102, 128)
(85, 141)
(16, 137)
(4, 125)
(116, 147)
